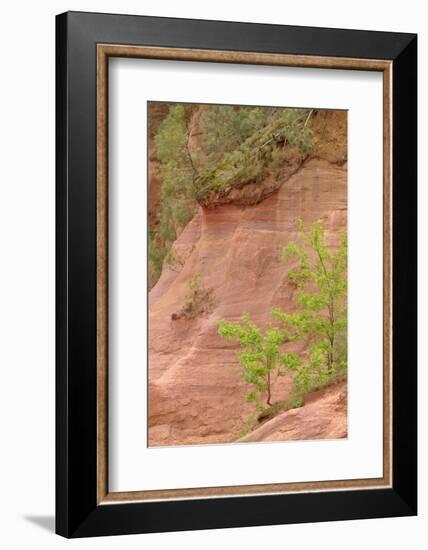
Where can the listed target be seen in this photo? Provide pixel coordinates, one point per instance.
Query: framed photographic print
(236, 274)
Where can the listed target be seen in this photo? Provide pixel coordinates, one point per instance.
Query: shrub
(198, 300)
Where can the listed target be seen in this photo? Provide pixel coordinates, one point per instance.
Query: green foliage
(257, 153)
(193, 298)
(321, 279)
(177, 167)
(321, 321)
(156, 254)
(174, 260)
(297, 396)
(243, 144)
(194, 285)
(178, 204)
(227, 127)
(295, 401)
(292, 128)
(198, 299)
(260, 357)
(247, 426)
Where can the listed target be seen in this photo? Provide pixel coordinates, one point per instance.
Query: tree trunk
(268, 390)
(330, 357)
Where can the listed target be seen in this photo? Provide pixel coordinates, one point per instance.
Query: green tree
(177, 168)
(261, 358)
(321, 279)
(178, 204)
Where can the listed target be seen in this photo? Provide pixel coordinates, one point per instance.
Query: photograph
(247, 273)
(212, 265)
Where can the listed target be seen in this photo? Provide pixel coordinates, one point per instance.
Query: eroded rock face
(323, 416)
(195, 393)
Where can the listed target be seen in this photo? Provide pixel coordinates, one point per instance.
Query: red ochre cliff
(195, 393)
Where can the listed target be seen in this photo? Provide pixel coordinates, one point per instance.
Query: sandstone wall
(195, 393)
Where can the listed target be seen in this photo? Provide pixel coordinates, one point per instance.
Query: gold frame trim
(104, 51)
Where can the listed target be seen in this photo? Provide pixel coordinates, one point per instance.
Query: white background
(132, 82)
(27, 275)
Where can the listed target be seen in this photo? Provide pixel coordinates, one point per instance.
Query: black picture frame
(77, 511)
